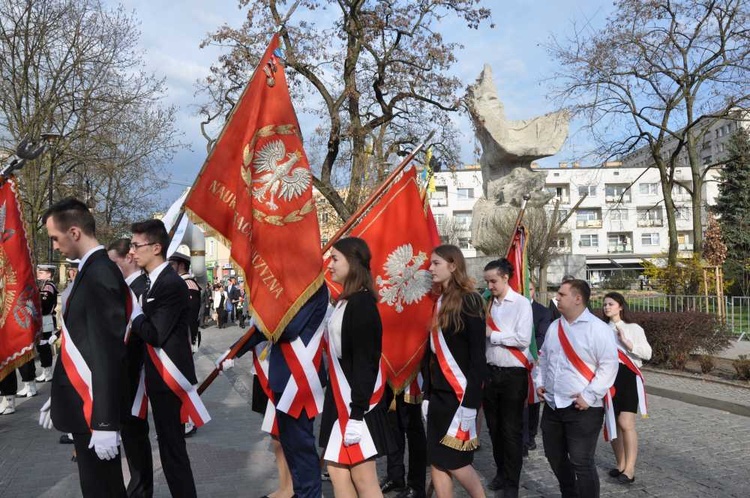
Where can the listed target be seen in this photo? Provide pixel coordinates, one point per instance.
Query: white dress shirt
(334, 326)
(154, 275)
(594, 343)
(514, 318)
(86, 256)
(637, 337)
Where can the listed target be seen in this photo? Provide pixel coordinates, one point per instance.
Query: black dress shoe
(411, 493)
(615, 472)
(531, 446)
(389, 485)
(65, 439)
(497, 483)
(623, 479)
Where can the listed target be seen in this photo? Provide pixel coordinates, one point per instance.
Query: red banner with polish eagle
(401, 235)
(20, 306)
(255, 191)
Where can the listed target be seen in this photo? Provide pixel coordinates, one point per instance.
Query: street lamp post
(50, 139)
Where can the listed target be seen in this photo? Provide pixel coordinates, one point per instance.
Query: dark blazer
(542, 320)
(164, 324)
(553, 309)
(96, 318)
(361, 347)
(468, 348)
(136, 346)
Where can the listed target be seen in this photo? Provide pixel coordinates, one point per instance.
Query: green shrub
(675, 336)
(742, 366)
(707, 363)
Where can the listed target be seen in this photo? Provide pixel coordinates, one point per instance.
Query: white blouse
(334, 326)
(637, 337)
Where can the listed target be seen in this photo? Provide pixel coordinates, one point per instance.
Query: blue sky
(172, 31)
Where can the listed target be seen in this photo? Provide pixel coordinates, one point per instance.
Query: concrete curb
(694, 399)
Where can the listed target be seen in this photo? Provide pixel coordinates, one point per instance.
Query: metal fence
(736, 308)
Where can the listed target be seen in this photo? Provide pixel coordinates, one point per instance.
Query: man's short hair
(580, 287)
(567, 278)
(502, 265)
(71, 212)
(120, 246)
(155, 232)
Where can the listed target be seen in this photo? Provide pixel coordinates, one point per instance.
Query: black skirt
(626, 391)
(442, 407)
(259, 401)
(376, 421)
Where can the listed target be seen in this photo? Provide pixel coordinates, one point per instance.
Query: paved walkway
(686, 450)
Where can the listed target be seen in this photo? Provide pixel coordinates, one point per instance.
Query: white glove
(105, 444)
(222, 363)
(49, 341)
(353, 432)
(425, 409)
(137, 309)
(45, 415)
(468, 416)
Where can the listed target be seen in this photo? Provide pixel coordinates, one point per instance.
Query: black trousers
(9, 385)
(505, 395)
(172, 448)
(134, 433)
(99, 478)
(530, 423)
(27, 371)
(406, 424)
(298, 442)
(45, 351)
(570, 437)
(195, 334)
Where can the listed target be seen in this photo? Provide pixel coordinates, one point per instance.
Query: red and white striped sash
(336, 451)
(639, 382)
(458, 437)
(260, 368)
(519, 355)
(413, 393)
(78, 372)
(610, 424)
(304, 390)
(192, 406)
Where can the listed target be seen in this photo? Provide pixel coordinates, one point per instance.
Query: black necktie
(148, 284)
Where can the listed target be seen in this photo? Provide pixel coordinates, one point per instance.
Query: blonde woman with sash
(630, 393)
(354, 429)
(457, 367)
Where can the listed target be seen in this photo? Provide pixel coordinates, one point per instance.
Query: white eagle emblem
(406, 283)
(278, 176)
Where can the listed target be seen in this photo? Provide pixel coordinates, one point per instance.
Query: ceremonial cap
(46, 267)
(178, 256)
(72, 263)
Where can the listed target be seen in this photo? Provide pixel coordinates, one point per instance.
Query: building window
(440, 196)
(587, 215)
(439, 219)
(211, 247)
(682, 213)
(324, 240)
(618, 215)
(463, 243)
(648, 188)
(589, 190)
(650, 239)
(589, 240)
(560, 242)
(617, 193)
(465, 193)
(561, 214)
(463, 220)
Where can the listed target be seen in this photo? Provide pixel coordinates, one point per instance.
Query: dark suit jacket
(95, 316)
(542, 320)
(553, 309)
(164, 324)
(468, 348)
(136, 346)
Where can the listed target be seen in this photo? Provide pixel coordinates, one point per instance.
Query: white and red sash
(610, 424)
(260, 368)
(519, 355)
(639, 382)
(75, 365)
(413, 393)
(192, 406)
(304, 390)
(458, 437)
(336, 451)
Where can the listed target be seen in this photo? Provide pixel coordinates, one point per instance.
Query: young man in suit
(88, 386)
(134, 430)
(164, 326)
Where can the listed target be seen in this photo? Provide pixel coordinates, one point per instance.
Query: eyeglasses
(135, 245)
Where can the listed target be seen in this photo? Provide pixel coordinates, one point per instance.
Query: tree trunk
(666, 188)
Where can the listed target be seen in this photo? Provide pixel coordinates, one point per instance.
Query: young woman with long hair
(457, 367)
(633, 349)
(353, 427)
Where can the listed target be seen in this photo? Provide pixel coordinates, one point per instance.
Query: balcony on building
(589, 218)
(620, 243)
(439, 198)
(617, 193)
(650, 217)
(560, 192)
